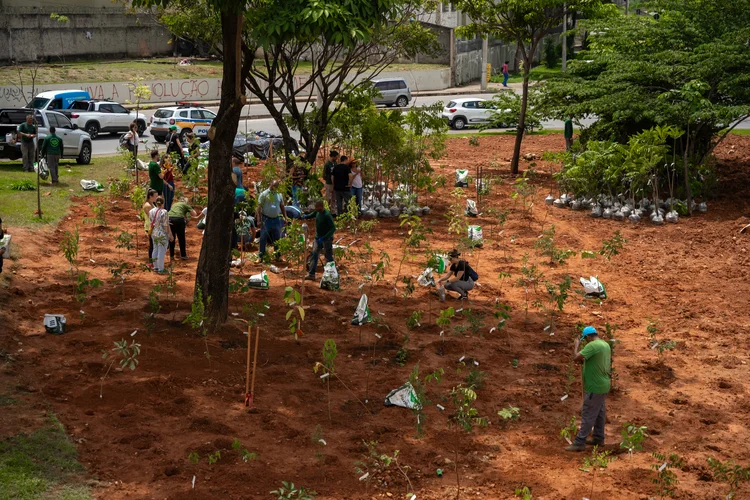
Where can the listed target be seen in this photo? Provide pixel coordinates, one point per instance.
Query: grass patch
(151, 69)
(17, 208)
(6, 400)
(739, 132)
(480, 133)
(44, 461)
(536, 74)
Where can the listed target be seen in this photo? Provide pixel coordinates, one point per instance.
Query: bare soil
(692, 277)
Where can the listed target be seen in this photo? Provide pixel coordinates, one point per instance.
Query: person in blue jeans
(506, 75)
(356, 181)
(270, 211)
(324, 231)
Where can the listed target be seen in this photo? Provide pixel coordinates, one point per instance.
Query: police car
(186, 117)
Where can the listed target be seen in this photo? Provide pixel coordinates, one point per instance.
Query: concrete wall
(205, 89)
(28, 33)
(469, 58)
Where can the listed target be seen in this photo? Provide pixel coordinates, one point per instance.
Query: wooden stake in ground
(250, 383)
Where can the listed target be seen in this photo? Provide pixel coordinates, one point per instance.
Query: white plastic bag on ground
(426, 278)
(54, 323)
(471, 208)
(404, 397)
(462, 178)
(91, 185)
(259, 281)
(593, 287)
(362, 312)
(475, 233)
(330, 280)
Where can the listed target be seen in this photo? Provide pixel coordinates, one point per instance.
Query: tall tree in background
(524, 22)
(342, 42)
(212, 274)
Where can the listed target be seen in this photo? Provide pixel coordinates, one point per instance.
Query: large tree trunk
(212, 275)
(522, 116)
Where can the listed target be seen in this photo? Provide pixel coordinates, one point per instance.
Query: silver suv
(393, 92)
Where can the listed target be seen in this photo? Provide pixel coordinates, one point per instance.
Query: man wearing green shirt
(27, 131)
(568, 132)
(324, 230)
(156, 178)
(178, 216)
(52, 150)
(597, 365)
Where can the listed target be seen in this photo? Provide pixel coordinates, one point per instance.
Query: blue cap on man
(589, 330)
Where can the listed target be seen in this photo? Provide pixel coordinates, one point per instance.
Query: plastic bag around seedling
(362, 312)
(54, 323)
(462, 178)
(596, 211)
(201, 223)
(426, 278)
(330, 280)
(592, 287)
(471, 208)
(404, 397)
(672, 217)
(259, 281)
(42, 169)
(475, 233)
(549, 199)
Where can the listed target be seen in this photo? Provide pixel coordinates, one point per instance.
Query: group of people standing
(51, 149)
(343, 179)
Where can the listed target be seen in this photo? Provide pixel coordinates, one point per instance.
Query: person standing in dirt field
(52, 150)
(269, 213)
(341, 185)
(597, 366)
(568, 132)
(161, 233)
(155, 175)
(328, 177)
(150, 203)
(325, 228)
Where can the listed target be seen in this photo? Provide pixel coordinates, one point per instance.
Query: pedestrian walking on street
(341, 185)
(458, 278)
(597, 366)
(333, 159)
(568, 132)
(325, 228)
(27, 131)
(269, 212)
(52, 150)
(506, 75)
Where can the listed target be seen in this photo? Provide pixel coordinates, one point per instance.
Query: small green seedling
(288, 491)
(568, 433)
(633, 437)
(613, 246)
(510, 414)
(243, 452)
(413, 321)
(665, 479)
(731, 473)
(524, 493)
(293, 299)
(194, 457)
(328, 367)
(198, 319)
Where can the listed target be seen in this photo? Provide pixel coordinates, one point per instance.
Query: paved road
(107, 145)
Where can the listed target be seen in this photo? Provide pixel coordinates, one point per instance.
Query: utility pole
(485, 53)
(565, 39)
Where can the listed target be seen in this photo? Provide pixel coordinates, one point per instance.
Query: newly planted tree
(198, 318)
(465, 417)
(420, 392)
(731, 473)
(328, 367)
(665, 479)
(633, 437)
(127, 355)
(69, 248)
(375, 466)
(597, 460)
(296, 313)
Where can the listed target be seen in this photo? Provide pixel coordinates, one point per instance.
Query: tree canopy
(688, 67)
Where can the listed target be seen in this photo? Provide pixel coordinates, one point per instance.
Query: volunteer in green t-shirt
(597, 365)
(178, 216)
(52, 150)
(568, 133)
(155, 176)
(27, 132)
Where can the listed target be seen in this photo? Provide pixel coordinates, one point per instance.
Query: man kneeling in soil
(597, 365)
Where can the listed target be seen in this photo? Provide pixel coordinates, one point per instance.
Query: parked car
(95, 117)
(58, 99)
(185, 118)
(76, 142)
(462, 113)
(393, 92)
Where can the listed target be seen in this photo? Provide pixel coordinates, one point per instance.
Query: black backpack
(471, 273)
(172, 146)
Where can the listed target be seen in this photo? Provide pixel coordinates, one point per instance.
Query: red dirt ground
(692, 277)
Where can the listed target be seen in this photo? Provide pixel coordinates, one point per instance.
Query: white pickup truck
(97, 117)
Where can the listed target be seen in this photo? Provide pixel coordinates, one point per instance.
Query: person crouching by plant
(457, 278)
(596, 357)
(150, 203)
(161, 234)
(325, 228)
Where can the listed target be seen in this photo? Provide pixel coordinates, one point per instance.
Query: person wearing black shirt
(328, 177)
(457, 278)
(341, 185)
